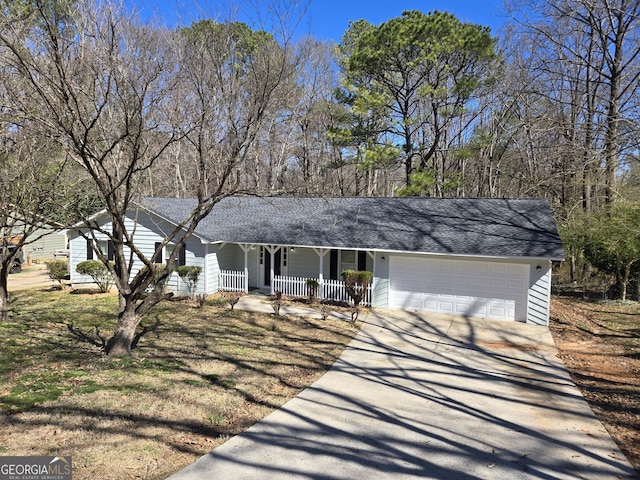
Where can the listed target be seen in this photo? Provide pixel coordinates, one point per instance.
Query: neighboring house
(50, 243)
(471, 257)
(46, 242)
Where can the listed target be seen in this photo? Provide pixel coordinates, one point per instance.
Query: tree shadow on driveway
(417, 396)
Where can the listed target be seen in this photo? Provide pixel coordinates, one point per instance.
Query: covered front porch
(294, 271)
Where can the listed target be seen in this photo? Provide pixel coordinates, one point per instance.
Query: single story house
(50, 243)
(46, 240)
(473, 257)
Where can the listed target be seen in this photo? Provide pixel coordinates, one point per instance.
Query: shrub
(325, 310)
(232, 298)
(98, 271)
(276, 303)
(312, 288)
(189, 275)
(356, 284)
(58, 271)
(201, 300)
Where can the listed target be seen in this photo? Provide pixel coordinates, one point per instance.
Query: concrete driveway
(425, 396)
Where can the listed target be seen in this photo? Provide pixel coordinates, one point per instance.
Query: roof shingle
(456, 226)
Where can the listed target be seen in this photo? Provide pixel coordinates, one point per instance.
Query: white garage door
(459, 287)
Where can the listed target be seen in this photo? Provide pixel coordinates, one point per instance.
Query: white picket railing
(231, 281)
(291, 286)
(234, 281)
(327, 290)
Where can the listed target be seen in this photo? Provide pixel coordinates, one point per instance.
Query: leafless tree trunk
(31, 177)
(586, 59)
(116, 95)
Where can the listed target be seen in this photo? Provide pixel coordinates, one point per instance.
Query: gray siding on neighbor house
(539, 294)
(45, 247)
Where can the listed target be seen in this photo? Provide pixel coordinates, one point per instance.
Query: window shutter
(89, 250)
(157, 254)
(111, 254)
(182, 256)
(362, 260)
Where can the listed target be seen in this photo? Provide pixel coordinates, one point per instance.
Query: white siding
(194, 256)
(254, 267)
(212, 269)
(305, 262)
(230, 257)
(380, 296)
(77, 254)
(148, 231)
(539, 293)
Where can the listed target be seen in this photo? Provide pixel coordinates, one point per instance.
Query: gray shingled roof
(460, 226)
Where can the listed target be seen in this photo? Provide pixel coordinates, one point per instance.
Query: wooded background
(98, 107)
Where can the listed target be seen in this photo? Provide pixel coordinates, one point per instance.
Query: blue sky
(329, 19)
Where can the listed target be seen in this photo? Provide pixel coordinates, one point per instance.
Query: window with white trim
(348, 260)
(105, 246)
(181, 259)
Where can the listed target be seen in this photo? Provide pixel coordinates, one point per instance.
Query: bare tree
(31, 169)
(587, 58)
(235, 77)
(117, 95)
(29, 185)
(310, 105)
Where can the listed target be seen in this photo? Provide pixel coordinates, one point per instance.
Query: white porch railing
(327, 290)
(231, 281)
(234, 281)
(291, 286)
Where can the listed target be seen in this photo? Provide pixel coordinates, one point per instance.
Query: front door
(277, 267)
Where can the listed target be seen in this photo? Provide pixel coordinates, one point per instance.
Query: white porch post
(246, 271)
(271, 275)
(272, 250)
(321, 253)
(245, 281)
(205, 270)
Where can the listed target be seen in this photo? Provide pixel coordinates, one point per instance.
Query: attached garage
(472, 288)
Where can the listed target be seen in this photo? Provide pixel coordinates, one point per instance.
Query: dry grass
(599, 343)
(198, 377)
